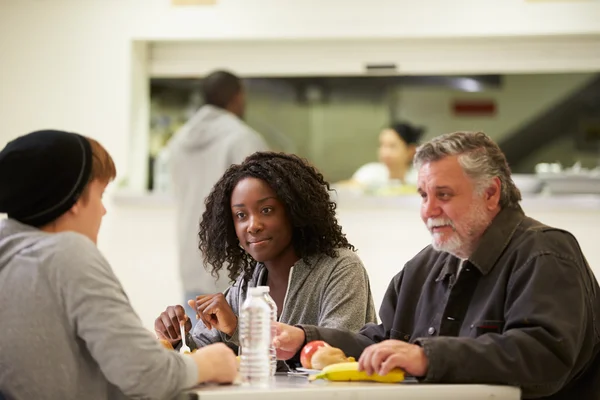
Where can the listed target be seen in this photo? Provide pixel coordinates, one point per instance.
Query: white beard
(475, 223)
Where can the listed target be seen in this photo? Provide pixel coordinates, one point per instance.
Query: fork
(184, 347)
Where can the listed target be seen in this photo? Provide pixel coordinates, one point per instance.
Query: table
(298, 388)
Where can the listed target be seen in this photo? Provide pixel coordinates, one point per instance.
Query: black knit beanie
(42, 175)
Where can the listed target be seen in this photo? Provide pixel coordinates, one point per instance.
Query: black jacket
(523, 311)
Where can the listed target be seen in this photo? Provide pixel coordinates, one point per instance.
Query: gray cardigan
(322, 291)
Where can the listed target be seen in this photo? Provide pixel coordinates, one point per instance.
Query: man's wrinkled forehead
(446, 172)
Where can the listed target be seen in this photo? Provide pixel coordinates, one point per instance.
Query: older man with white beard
(497, 298)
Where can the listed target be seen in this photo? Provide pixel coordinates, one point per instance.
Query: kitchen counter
(348, 198)
(386, 231)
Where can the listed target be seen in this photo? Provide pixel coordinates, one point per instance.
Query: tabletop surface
(291, 387)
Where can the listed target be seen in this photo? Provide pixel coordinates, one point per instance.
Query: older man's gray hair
(480, 158)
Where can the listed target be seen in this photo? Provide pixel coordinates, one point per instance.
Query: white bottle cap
(264, 289)
(255, 291)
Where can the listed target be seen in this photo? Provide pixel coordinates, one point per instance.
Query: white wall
(66, 64)
(379, 18)
(139, 241)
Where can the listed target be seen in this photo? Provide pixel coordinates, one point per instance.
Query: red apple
(308, 350)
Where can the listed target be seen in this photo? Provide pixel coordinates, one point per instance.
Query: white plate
(308, 371)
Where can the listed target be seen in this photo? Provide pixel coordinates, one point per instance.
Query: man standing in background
(199, 153)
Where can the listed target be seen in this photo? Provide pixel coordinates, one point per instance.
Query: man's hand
(216, 363)
(289, 341)
(215, 312)
(382, 357)
(167, 324)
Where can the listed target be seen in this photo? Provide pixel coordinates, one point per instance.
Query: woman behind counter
(397, 146)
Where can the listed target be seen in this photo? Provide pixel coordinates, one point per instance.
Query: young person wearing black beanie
(68, 329)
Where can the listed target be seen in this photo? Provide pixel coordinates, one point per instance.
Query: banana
(348, 371)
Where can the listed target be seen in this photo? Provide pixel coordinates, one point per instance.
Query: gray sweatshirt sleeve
(352, 343)
(99, 311)
(249, 144)
(346, 302)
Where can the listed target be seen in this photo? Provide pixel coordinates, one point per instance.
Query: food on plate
(167, 345)
(327, 355)
(308, 350)
(348, 371)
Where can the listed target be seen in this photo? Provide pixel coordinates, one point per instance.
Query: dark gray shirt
(524, 311)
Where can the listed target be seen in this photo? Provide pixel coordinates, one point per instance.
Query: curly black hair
(298, 185)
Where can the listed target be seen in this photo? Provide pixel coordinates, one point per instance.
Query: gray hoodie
(68, 329)
(199, 154)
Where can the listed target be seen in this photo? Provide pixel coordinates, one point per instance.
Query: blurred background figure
(199, 153)
(397, 146)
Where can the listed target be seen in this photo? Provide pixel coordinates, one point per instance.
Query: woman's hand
(214, 311)
(167, 324)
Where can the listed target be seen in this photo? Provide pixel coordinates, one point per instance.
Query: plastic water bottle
(273, 306)
(255, 339)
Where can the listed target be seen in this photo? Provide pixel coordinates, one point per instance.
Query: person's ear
(76, 209)
(492, 194)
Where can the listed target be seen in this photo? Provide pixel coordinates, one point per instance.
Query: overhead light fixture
(468, 85)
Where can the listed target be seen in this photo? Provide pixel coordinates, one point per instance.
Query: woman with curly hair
(270, 222)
